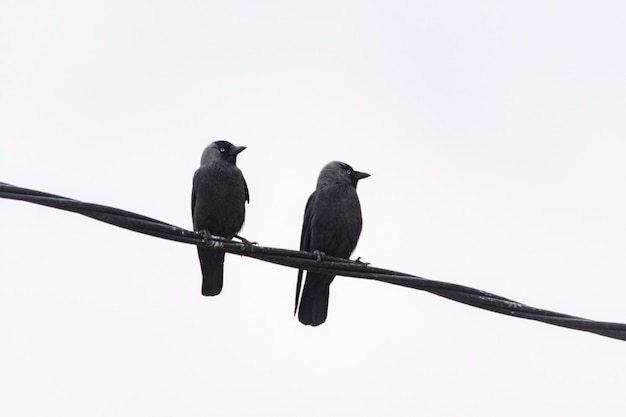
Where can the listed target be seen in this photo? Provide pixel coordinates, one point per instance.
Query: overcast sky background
(495, 136)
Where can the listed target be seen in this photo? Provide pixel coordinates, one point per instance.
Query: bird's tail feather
(314, 302)
(298, 290)
(212, 265)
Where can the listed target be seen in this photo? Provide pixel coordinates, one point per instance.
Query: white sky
(496, 138)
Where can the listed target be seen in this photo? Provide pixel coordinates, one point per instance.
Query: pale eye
(349, 171)
(222, 150)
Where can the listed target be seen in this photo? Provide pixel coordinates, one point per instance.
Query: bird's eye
(349, 171)
(222, 150)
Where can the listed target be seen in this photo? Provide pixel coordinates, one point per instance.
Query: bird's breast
(220, 199)
(336, 222)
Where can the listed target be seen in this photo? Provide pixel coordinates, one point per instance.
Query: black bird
(332, 225)
(218, 200)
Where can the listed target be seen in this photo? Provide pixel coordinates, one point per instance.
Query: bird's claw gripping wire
(319, 255)
(205, 234)
(359, 261)
(245, 241)
(209, 238)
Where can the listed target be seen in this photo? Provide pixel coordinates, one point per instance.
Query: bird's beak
(360, 175)
(236, 150)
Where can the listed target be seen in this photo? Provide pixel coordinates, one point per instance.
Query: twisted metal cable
(307, 260)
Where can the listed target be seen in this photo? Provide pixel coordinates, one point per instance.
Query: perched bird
(218, 200)
(332, 225)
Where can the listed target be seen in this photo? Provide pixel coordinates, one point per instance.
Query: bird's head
(221, 149)
(338, 173)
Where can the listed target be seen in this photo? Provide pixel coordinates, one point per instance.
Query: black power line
(307, 260)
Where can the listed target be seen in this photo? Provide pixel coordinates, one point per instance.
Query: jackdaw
(332, 225)
(218, 200)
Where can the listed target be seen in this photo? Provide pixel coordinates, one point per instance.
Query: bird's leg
(359, 261)
(245, 241)
(319, 254)
(205, 233)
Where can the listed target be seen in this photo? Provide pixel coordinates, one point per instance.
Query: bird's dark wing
(245, 185)
(193, 201)
(305, 241)
(305, 237)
